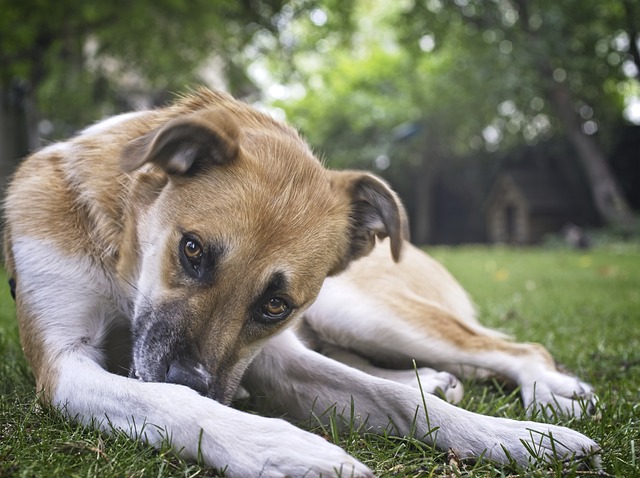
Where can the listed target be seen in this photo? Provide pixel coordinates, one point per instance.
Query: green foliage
(583, 306)
(416, 85)
(526, 46)
(456, 68)
(80, 58)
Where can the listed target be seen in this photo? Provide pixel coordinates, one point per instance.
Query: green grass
(583, 306)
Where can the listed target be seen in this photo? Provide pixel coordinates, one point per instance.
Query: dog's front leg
(195, 427)
(298, 381)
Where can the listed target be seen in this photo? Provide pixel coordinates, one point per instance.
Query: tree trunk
(15, 140)
(423, 187)
(607, 194)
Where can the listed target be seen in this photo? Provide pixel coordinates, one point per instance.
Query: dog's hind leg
(426, 379)
(393, 314)
(307, 385)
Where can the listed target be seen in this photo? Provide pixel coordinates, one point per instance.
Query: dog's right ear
(375, 210)
(185, 144)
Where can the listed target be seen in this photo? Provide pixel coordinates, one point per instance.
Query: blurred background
(501, 121)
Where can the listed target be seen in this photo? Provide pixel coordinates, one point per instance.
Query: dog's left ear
(375, 211)
(185, 143)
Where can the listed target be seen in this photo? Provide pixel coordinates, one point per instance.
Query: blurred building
(524, 206)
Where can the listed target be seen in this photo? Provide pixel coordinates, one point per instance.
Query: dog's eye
(192, 255)
(275, 308)
(192, 249)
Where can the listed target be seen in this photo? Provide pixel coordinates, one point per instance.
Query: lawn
(583, 306)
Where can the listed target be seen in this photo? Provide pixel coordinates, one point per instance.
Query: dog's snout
(192, 375)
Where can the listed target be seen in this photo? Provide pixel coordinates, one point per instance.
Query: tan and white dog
(159, 258)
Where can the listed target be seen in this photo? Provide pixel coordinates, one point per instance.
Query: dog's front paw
(549, 444)
(275, 448)
(554, 393)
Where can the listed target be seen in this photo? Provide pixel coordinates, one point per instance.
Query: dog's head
(239, 240)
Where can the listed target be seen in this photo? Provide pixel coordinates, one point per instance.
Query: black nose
(190, 374)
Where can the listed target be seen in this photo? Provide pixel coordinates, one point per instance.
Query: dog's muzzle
(190, 374)
(162, 352)
(187, 372)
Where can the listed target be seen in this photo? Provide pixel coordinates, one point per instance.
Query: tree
(69, 61)
(369, 101)
(555, 45)
(496, 73)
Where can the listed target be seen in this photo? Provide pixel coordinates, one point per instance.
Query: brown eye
(192, 256)
(275, 309)
(192, 250)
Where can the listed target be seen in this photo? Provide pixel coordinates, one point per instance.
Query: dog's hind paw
(443, 384)
(553, 393)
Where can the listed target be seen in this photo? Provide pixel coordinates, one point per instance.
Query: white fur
(75, 317)
(353, 320)
(296, 379)
(345, 316)
(75, 320)
(336, 313)
(163, 414)
(56, 149)
(426, 379)
(321, 383)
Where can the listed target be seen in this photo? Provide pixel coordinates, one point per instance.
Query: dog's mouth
(190, 374)
(194, 376)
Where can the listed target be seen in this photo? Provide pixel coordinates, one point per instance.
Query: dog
(164, 261)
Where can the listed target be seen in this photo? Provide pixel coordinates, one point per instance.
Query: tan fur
(175, 246)
(89, 182)
(269, 199)
(427, 298)
(424, 298)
